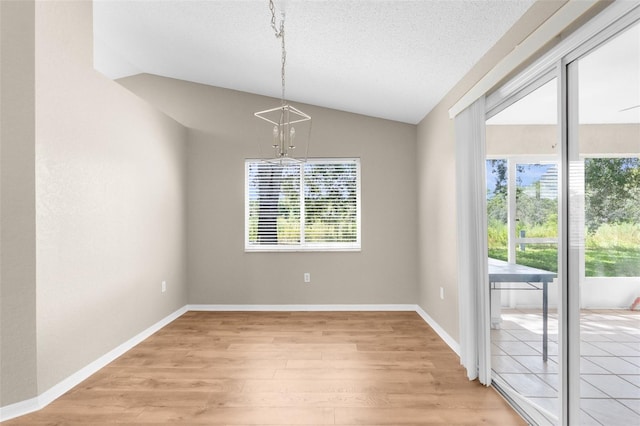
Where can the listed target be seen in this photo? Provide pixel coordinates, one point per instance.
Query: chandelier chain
(283, 117)
(279, 32)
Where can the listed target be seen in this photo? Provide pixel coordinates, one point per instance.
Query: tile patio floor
(610, 362)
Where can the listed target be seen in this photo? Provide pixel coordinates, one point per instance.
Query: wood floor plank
(352, 374)
(286, 347)
(141, 398)
(244, 415)
(382, 356)
(282, 368)
(191, 361)
(300, 399)
(393, 416)
(338, 386)
(191, 374)
(420, 364)
(275, 355)
(176, 384)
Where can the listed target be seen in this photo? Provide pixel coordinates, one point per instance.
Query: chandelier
(283, 117)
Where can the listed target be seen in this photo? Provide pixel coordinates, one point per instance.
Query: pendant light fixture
(283, 117)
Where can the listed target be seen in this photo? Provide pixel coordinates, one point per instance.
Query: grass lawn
(599, 262)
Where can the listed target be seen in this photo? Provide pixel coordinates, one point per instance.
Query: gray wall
(224, 133)
(93, 202)
(17, 203)
(110, 191)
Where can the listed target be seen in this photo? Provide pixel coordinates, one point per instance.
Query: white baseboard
(19, 409)
(297, 308)
(25, 407)
(450, 341)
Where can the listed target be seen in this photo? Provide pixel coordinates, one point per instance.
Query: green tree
(612, 191)
(497, 198)
(535, 211)
(499, 172)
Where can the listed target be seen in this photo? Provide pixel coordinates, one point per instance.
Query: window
(311, 206)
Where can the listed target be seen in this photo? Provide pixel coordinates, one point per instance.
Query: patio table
(535, 279)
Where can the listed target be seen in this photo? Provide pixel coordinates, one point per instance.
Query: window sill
(291, 249)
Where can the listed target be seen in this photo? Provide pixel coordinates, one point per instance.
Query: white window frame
(303, 245)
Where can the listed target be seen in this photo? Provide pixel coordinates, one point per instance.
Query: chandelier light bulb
(276, 132)
(292, 135)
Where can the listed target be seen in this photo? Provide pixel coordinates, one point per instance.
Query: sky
(530, 174)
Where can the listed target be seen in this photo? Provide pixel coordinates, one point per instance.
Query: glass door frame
(573, 207)
(534, 414)
(556, 63)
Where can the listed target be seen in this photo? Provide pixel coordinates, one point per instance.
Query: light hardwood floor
(281, 368)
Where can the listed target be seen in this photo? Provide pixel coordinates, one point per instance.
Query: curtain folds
(473, 285)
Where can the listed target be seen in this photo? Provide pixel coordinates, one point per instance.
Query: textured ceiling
(388, 59)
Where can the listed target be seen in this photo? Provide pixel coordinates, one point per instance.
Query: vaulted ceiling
(387, 59)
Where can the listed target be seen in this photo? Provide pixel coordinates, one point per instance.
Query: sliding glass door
(604, 219)
(522, 222)
(563, 221)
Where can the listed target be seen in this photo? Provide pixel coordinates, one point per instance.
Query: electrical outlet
(307, 277)
(164, 286)
(442, 293)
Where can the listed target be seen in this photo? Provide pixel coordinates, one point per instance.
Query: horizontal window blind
(313, 205)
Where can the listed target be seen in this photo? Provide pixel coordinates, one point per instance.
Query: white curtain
(473, 285)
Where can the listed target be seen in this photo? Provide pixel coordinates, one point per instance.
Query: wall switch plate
(442, 293)
(164, 286)
(307, 277)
